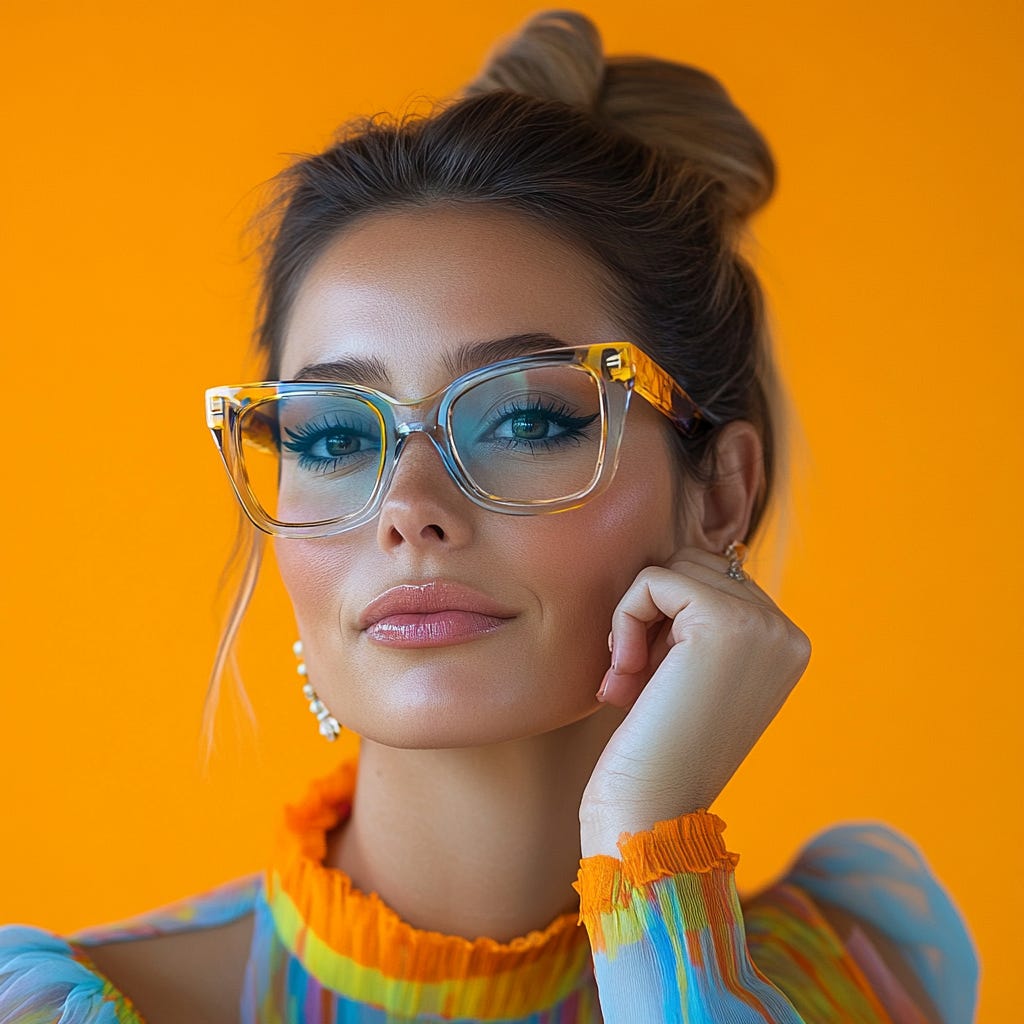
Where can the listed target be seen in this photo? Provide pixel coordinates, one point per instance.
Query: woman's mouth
(432, 614)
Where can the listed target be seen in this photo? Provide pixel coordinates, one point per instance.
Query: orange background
(136, 135)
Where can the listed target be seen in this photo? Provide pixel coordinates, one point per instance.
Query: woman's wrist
(604, 827)
(597, 841)
(605, 819)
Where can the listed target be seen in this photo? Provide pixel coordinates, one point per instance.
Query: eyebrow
(371, 372)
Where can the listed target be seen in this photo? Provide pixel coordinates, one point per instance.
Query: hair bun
(556, 55)
(683, 111)
(677, 109)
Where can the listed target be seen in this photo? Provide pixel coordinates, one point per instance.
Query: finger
(621, 689)
(657, 595)
(716, 560)
(711, 568)
(625, 686)
(634, 615)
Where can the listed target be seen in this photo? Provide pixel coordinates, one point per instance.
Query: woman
(518, 423)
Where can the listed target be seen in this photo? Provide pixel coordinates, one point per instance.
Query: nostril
(437, 529)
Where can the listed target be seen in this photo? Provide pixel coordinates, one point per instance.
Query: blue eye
(326, 446)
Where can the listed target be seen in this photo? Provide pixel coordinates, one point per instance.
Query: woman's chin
(441, 706)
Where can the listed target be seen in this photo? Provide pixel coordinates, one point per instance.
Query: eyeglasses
(535, 434)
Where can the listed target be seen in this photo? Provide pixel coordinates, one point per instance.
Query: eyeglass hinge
(615, 366)
(215, 412)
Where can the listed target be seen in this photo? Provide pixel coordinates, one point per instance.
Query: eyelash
(558, 413)
(308, 434)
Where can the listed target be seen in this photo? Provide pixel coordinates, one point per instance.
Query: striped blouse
(666, 939)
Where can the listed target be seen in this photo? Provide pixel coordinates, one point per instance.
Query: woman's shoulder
(44, 977)
(181, 962)
(877, 890)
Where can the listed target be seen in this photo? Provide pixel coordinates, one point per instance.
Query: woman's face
(403, 289)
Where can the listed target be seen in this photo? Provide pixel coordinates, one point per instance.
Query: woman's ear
(720, 512)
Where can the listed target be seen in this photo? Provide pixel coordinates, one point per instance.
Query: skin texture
(191, 978)
(498, 761)
(478, 755)
(405, 288)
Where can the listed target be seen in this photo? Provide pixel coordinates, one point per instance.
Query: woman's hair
(644, 165)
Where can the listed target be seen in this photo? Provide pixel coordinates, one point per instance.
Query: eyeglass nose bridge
(403, 430)
(433, 431)
(422, 417)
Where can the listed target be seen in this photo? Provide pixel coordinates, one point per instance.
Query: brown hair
(645, 165)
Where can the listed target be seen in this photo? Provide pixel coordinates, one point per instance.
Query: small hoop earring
(329, 726)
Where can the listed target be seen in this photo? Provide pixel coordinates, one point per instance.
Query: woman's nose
(423, 506)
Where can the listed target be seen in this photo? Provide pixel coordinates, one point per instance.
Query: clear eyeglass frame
(618, 368)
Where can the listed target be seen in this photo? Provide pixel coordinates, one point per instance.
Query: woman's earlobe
(724, 507)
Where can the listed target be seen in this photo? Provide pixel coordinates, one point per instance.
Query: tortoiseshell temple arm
(650, 381)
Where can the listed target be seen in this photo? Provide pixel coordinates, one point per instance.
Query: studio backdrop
(137, 137)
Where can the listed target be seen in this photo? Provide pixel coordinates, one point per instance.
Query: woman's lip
(432, 629)
(424, 599)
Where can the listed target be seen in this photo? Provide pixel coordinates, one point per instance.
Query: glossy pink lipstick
(433, 614)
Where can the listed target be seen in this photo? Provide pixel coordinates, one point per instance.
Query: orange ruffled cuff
(689, 844)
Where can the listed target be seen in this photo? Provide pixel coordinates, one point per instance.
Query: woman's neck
(472, 842)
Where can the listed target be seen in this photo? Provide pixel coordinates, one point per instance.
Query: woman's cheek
(313, 572)
(580, 570)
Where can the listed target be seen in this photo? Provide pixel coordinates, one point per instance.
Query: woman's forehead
(418, 288)
(374, 372)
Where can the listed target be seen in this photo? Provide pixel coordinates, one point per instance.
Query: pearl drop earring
(329, 726)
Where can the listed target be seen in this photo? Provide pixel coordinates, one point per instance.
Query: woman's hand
(706, 662)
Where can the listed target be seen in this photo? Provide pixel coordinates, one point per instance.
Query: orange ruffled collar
(356, 945)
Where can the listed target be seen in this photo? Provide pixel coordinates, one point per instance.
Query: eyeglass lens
(523, 436)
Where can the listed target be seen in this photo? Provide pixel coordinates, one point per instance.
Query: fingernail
(611, 648)
(603, 686)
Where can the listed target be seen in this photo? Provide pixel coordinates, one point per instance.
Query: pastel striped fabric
(666, 939)
(44, 978)
(337, 954)
(670, 941)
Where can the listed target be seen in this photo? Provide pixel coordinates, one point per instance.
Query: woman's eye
(329, 446)
(526, 427)
(338, 444)
(537, 425)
